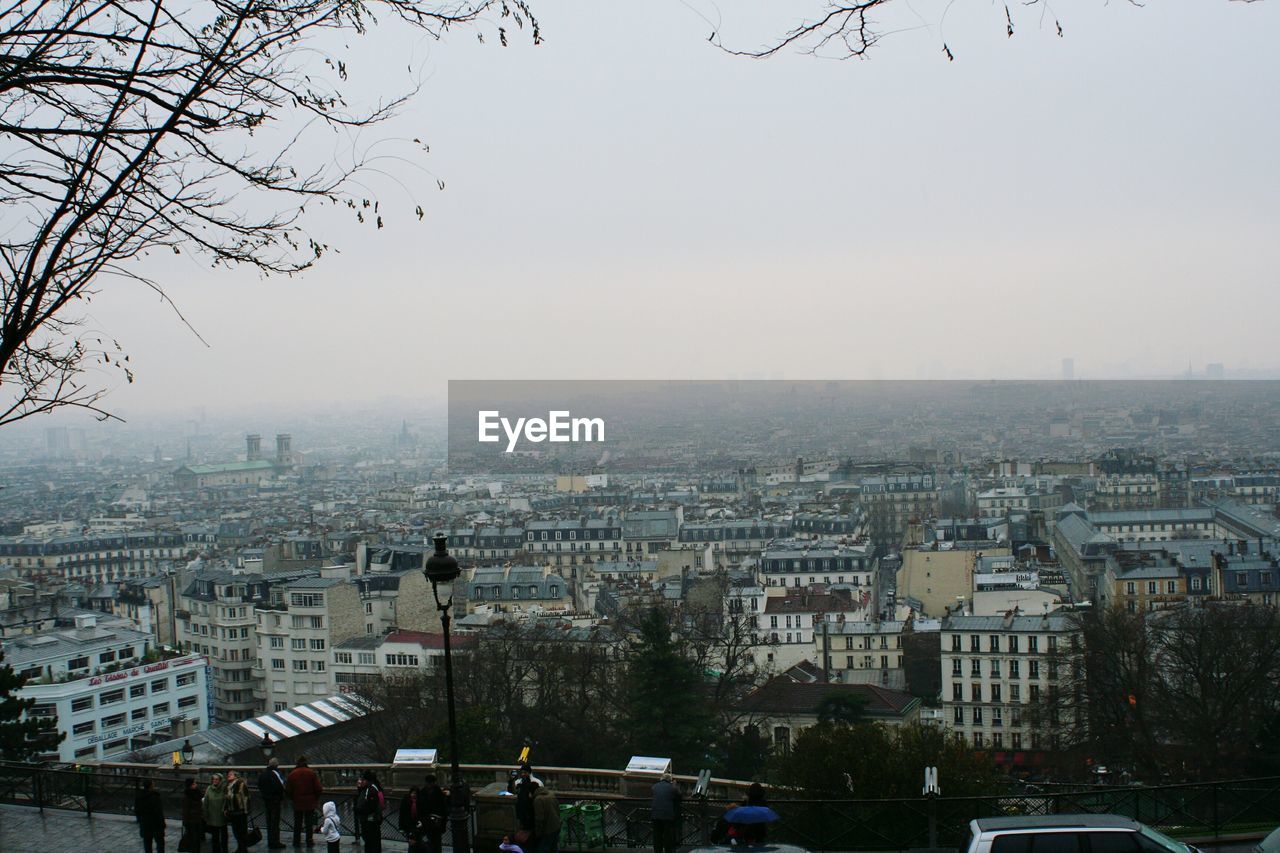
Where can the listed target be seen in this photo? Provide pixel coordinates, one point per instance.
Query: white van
(1070, 833)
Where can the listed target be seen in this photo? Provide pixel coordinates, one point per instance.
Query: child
(507, 847)
(330, 828)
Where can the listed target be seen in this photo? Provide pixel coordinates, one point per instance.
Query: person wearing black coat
(148, 810)
(435, 804)
(271, 789)
(192, 817)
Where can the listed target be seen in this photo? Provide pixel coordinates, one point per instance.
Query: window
(188, 701)
(995, 668)
(1020, 843)
(995, 693)
(993, 643)
(366, 658)
(957, 692)
(137, 690)
(1055, 842)
(1033, 644)
(1033, 669)
(299, 666)
(85, 728)
(113, 721)
(78, 663)
(975, 692)
(1112, 842)
(277, 663)
(306, 599)
(977, 740)
(111, 697)
(185, 679)
(975, 643)
(160, 709)
(138, 714)
(957, 715)
(317, 622)
(84, 703)
(317, 666)
(1130, 588)
(1034, 693)
(782, 739)
(955, 642)
(160, 685)
(107, 657)
(1014, 668)
(1015, 692)
(298, 645)
(1013, 644)
(342, 657)
(957, 668)
(975, 668)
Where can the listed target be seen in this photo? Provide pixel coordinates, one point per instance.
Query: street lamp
(267, 746)
(188, 751)
(442, 570)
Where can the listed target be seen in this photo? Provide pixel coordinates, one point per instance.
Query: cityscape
(525, 426)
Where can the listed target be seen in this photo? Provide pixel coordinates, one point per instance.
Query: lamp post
(268, 746)
(442, 570)
(188, 751)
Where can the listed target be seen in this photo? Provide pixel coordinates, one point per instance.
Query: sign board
(648, 765)
(415, 756)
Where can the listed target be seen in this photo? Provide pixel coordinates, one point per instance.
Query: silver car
(1078, 833)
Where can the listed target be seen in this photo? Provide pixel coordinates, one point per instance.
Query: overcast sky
(625, 201)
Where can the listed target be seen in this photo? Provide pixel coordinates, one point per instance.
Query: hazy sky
(627, 201)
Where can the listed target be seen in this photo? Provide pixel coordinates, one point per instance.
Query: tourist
(192, 818)
(148, 810)
(369, 805)
(271, 789)
(215, 814)
(331, 829)
(413, 820)
(303, 789)
(665, 811)
(435, 804)
(546, 820)
(238, 809)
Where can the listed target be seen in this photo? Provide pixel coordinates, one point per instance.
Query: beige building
(296, 636)
(932, 581)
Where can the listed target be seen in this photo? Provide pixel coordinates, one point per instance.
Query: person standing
(148, 810)
(192, 816)
(546, 820)
(665, 811)
(238, 809)
(215, 814)
(303, 789)
(331, 829)
(369, 804)
(271, 789)
(523, 786)
(433, 802)
(412, 821)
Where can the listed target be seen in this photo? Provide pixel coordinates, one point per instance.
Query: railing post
(704, 836)
(88, 789)
(38, 789)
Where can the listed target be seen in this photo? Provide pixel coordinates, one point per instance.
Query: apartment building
(570, 542)
(110, 688)
(799, 563)
(646, 532)
(997, 669)
(893, 501)
(729, 542)
(862, 651)
(361, 660)
(397, 599)
(517, 588)
(485, 543)
(216, 618)
(296, 634)
(92, 558)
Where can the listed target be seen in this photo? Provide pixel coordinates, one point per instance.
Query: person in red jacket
(303, 789)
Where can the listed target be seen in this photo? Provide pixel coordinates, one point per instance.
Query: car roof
(1058, 821)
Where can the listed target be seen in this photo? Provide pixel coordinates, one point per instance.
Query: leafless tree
(136, 126)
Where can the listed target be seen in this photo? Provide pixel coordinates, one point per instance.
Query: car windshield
(1165, 841)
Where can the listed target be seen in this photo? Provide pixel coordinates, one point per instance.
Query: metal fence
(1248, 807)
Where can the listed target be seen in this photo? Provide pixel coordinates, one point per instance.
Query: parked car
(1270, 844)
(1072, 833)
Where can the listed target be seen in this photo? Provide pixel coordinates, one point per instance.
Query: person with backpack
(370, 802)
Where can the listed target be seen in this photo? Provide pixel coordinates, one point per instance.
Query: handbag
(253, 836)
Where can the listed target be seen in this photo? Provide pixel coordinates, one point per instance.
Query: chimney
(86, 620)
(253, 447)
(284, 455)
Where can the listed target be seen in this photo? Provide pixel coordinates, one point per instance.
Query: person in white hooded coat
(331, 828)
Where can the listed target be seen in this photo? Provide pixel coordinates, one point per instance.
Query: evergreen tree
(21, 739)
(666, 707)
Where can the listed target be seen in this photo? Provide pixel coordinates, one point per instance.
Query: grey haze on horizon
(625, 201)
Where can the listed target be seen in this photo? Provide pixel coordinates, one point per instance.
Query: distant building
(569, 542)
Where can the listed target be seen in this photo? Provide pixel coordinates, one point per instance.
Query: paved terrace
(89, 810)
